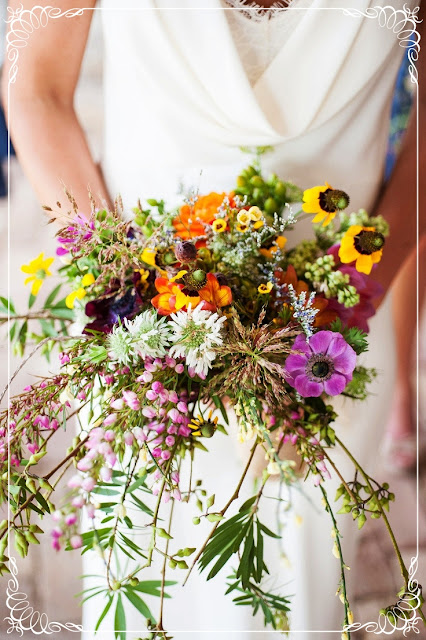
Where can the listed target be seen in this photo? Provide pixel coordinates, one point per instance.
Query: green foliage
(243, 534)
(354, 336)
(273, 606)
(360, 500)
(362, 377)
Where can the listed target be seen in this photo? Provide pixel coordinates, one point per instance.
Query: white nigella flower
(196, 333)
(150, 335)
(120, 347)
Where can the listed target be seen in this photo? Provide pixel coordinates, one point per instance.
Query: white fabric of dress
(184, 90)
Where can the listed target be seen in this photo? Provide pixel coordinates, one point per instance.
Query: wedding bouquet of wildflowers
(175, 326)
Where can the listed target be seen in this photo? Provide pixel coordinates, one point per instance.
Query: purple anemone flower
(325, 363)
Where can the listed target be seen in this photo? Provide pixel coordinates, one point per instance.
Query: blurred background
(50, 579)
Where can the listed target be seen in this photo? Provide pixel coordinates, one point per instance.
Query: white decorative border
(22, 615)
(403, 22)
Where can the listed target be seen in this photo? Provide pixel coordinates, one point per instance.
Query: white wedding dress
(185, 88)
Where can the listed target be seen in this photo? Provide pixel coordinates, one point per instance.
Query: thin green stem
(403, 568)
(339, 550)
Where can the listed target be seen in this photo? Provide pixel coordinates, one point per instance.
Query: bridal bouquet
(172, 323)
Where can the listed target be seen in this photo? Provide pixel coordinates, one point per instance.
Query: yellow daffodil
(325, 202)
(73, 296)
(243, 217)
(255, 214)
(265, 288)
(148, 256)
(219, 225)
(38, 270)
(362, 245)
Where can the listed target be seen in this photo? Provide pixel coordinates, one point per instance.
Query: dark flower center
(331, 200)
(319, 367)
(367, 242)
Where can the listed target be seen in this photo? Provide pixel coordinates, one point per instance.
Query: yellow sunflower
(325, 202)
(362, 245)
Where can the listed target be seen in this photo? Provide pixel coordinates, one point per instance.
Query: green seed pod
(31, 485)
(34, 528)
(172, 563)
(30, 537)
(44, 484)
(214, 517)
(271, 205)
(182, 564)
(257, 194)
(250, 171)
(280, 190)
(133, 582)
(257, 181)
(241, 181)
(115, 585)
(188, 551)
(210, 501)
(3, 524)
(162, 533)
(196, 520)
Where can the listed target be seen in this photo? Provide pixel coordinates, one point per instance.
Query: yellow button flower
(255, 214)
(362, 245)
(38, 270)
(325, 202)
(73, 296)
(219, 225)
(242, 228)
(87, 280)
(243, 217)
(265, 288)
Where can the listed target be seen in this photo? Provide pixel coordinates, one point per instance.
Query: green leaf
(52, 295)
(138, 603)
(120, 620)
(104, 612)
(219, 404)
(31, 300)
(7, 306)
(13, 331)
(42, 502)
(48, 328)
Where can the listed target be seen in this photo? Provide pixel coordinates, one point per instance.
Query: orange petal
(364, 264)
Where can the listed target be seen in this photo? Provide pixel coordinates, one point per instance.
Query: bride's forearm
(53, 151)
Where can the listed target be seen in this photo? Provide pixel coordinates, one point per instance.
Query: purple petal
(337, 346)
(295, 364)
(300, 344)
(335, 385)
(308, 388)
(345, 362)
(319, 341)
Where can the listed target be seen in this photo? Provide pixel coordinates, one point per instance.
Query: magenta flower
(325, 363)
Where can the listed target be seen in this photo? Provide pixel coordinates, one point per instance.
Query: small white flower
(66, 395)
(119, 345)
(150, 335)
(196, 333)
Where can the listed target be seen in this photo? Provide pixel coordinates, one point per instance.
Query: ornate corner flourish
(402, 616)
(23, 22)
(403, 22)
(23, 617)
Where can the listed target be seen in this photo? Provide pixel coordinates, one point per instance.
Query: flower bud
(185, 251)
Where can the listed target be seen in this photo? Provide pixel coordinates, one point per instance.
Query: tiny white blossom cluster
(190, 334)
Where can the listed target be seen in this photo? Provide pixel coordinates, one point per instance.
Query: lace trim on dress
(256, 11)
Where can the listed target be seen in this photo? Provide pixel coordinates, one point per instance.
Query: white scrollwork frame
(22, 23)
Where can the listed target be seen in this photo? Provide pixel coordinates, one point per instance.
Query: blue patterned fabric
(400, 114)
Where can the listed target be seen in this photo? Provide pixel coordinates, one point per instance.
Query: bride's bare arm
(45, 130)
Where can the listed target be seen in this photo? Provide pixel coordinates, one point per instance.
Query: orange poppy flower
(324, 315)
(170, 297)
(190, 220)
(214, 295)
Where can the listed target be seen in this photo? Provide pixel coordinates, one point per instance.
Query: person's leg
(400, 447)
